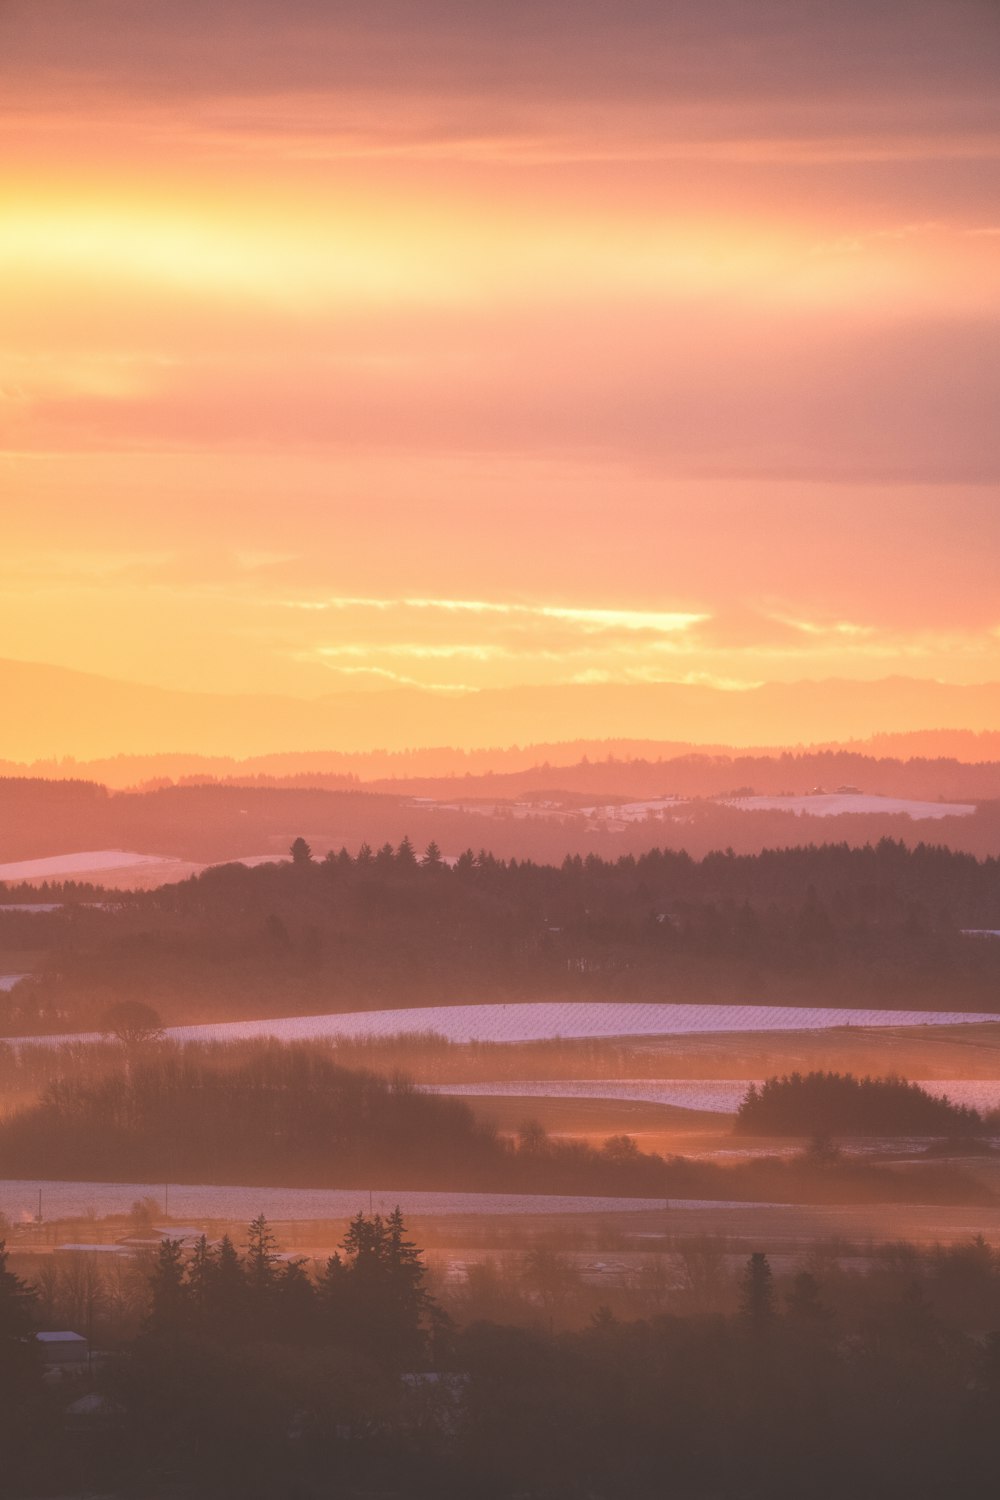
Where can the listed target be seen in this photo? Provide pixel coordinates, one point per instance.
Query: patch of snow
(975, 1093)
(720, 1095)
(117, 868)
(617, 815)
(32, 907)
(8, 981)
(633, 812)
(550, 1020)
(834, 804)
(546, 1020)
(90, 861)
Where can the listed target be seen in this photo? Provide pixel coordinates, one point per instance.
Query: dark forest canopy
(881, 925)
(893, 872)
(245, 1375)
(839, 1104)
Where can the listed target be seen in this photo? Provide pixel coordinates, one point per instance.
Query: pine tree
(295, 1302)
(200, 1273)
(384, 1303)
(301, 852)
(262, 1256)
(406, 856)
(168, 1292)
(228, 1297)
(18, 1302)
(405, 1273)
(20, 1367)
(757, 1302)
(333, 1294)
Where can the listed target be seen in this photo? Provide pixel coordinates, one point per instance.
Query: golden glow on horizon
(288, 251)
(439, 360)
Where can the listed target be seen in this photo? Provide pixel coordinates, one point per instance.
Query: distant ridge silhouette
(52, 711)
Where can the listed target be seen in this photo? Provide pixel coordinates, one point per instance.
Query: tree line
(270, 1113)
(882, 925)
(369, 1296)
(785, 1394)
(211, 823)
(839, 1104)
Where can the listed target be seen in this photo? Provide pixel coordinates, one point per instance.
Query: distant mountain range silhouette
(51, 711)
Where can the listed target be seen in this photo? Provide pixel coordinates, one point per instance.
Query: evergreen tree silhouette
(757, 1299)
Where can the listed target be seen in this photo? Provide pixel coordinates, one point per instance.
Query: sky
(357, 345)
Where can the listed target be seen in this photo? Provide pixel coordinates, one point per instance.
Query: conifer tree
(200, 1277)
(20, 1371)
(333, 1292)
(295, 1302)
(262, 1256)
(168, 1291)
(404, 1275)
(757, 1302)
(406, 857)
(227, 1300)
(301, 852)
(18, 1302)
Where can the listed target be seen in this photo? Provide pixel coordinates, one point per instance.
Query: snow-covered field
(542, 1020)
(634, 812)
(8, 981)
(36, 908)
(75, 866)
(19, 1201)
(618, 814)
(547, 1020)
(122, 868)
(721, 1095)
(833, 804)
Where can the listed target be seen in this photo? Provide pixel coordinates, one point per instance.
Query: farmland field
(541, 1020)
(644, 1218)
(720, 1096)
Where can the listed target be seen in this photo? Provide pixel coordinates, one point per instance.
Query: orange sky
(474, 345)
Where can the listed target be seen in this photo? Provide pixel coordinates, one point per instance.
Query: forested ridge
(542, 819)
(626, 768)
(881, 925)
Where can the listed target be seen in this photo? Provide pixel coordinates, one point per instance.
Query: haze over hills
(212, 823)
(55, 712)
(627, 766)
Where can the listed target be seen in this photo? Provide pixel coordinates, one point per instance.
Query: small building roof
(62, 1337)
